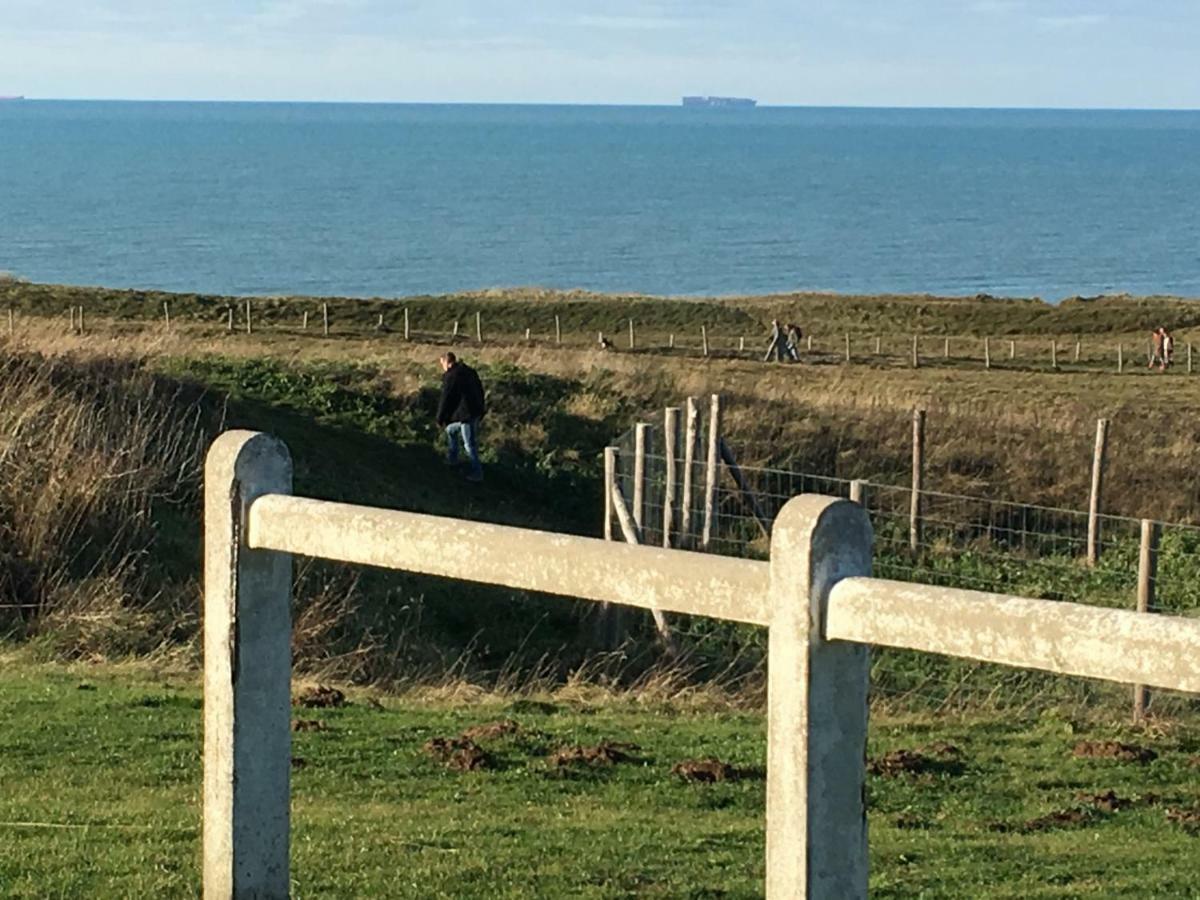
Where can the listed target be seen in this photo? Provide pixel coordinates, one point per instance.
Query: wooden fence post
(712, 462)
(1012, 349)
(247, 676)
(249, 320)
(229, 320)
(12, 329)
(816, 707)
(610, 480)
(742, 344)
(704, 339)
(670, 443)
(858, 491)
(987, 353)
(691, 429)
(1054, 354)
(1076, 359)
(557, 330)
(639, 474)
(745, 489)
(918, 479)
(610, 620)
(82, 328)
(847, 347)
(945, 348)
(1099, 456)
(631, 341)
(1147, 574)
(671, 340)
(379, 323)
(325, 318)
(916, 357)
(1189, 357)
(810, 343)
(478, 326)
(878, 344)
(167, 315)
(406, 331)
(454, 330)
(304, 321)
(632, 533)
(1120, 358)
(527, 334)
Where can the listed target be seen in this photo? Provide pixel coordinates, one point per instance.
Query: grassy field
(101, 774)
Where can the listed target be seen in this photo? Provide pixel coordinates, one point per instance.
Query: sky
(1029, 53)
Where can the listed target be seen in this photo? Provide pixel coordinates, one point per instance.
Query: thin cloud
(1081, 20)
(628, 23)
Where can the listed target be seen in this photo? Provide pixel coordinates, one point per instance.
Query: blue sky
(1090, 53)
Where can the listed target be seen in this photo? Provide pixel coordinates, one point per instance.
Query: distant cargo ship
(13, 97)
(720, 102)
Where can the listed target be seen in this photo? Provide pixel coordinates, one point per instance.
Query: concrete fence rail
(815, 595)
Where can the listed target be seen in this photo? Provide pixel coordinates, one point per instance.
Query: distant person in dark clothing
(459, 411)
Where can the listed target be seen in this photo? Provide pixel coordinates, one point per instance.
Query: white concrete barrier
(815, 596)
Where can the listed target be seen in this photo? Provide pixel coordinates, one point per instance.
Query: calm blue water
(399, 199)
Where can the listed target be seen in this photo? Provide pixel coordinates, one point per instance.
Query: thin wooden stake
(858, 492)
(878, 344)
(641, 431)
(704, 339)
(810, 343)
(325, 318)
(12, 328)
(406, 331)
(1147, 573)
(631, 341)
(304, 321)
(1012, 350)
(249, 318)
(945, 348)
(1099, 458)
(747, 492)
(847, 347)
(229, 322)
(918, 480)
(1189, 358)
(557, 330)
(167, 315)
(1077, 342)
(633, 534)
(478, 326)
(916, 357)
(670, 443)
(1120, 358)
(691, 430)
(1054, 354)
(987, 353)
(710, 475)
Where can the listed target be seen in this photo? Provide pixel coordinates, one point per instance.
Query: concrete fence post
(247, 676)
(1147, 575)
(1099, 456)
(742, 344)
(816, 707)
(1012, 350)
(847, 347)
(379, 323)
(527, 334)
(229, 320)
(918, 479)
(711, 471)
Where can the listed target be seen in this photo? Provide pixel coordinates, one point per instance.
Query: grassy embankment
(127, 411)
(101, 772)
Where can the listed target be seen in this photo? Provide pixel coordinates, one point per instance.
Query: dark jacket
(462, 395)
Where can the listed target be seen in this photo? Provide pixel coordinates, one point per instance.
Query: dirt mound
(705, 771)
(1187, 819)
(321, 697)
(461, 754)
(1113, 750)
(308, 725)
(1088, 808)
(1108, 801)
(491, 730)
(938, 757)
(605, 753)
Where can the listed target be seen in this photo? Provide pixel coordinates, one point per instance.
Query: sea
(400, 199)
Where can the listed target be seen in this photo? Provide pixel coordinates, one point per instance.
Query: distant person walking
(459, 410)
(1162, 345)
(1168, 349)
(777, 347)
(793, 341)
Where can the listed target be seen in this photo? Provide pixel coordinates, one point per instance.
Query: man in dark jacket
(459, 411)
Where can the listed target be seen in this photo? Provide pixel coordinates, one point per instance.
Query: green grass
(114, 753)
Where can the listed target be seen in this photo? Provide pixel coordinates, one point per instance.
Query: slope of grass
(101, 770)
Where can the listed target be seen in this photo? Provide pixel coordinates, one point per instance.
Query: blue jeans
(468, 433)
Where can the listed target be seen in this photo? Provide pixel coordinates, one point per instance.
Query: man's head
(447, 360)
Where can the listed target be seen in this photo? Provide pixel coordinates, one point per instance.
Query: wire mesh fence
(945, 539)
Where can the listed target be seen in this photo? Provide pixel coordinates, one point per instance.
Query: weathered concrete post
(810, 339)
(454, 332)
(1147, 575)
(1099, 454)
(670, 443)
(711, 471)
(671, 340)
(247, 675)
(816, 707)
(918, 479)
(640, 433)
(1012, 349)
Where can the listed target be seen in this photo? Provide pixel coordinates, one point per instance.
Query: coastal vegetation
(102, 435)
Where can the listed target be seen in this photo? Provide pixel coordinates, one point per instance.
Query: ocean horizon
(395, 199)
